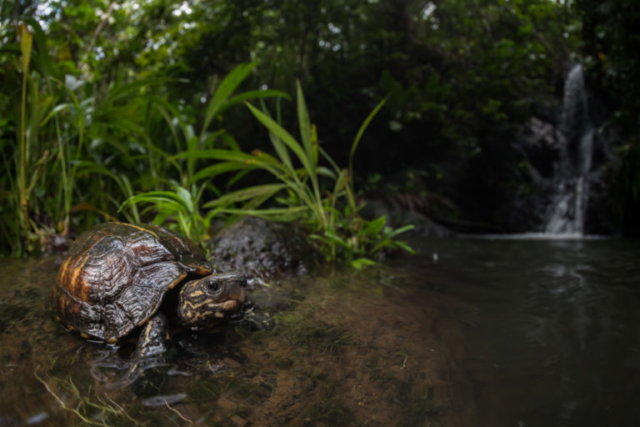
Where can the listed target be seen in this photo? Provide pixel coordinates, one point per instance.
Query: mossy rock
(264, 249)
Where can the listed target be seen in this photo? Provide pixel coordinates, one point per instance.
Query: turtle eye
(213, 285)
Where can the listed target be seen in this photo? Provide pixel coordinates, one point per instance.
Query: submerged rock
(262, 249)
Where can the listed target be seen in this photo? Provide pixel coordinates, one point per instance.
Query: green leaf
(26, 43)
(186, 199)
(401, 230)
(326, 172)
(403, 245)
(282, 152)
(304, 122)
(364, 126)
(254, 94)
(156, 197)
(284, 136)
(217, 169)
(211, 138)
(375, 227)
(362, 263)
(275, 214)
(245, 194)
(230, 141)
(219, 154)
(224, 91)
(334, 237)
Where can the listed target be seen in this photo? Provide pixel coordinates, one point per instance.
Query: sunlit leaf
(224, 91)
(362, 263)
(304, 123)
(245, 194)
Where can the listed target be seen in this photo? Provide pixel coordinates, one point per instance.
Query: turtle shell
(116, 275)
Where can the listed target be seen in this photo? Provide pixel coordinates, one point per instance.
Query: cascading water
(566, 214)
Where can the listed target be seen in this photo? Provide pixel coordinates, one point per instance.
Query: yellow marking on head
(147, 333)
(188, 305)
(197, 294)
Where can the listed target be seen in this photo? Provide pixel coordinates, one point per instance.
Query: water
(505, 332)
(567, 211)
(555, 340)
(344, 349)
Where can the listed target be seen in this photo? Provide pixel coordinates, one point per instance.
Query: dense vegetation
(611, 45)
(157, 110)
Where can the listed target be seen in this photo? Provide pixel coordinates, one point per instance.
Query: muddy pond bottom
(472, 332)
(349, 348)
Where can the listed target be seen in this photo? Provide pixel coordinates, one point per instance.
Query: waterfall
(566, 214)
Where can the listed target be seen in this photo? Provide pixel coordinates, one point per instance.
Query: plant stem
(24, 206)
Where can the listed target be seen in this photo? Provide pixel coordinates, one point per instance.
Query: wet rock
(540, 142)
(263, 249)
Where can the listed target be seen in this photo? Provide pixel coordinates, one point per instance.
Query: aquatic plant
(99, 412)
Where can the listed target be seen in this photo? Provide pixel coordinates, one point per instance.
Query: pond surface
(472, 332)
(555, 340)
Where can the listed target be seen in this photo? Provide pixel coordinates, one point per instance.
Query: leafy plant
(28, 164)
(343, 234)
(182, 203)
(179, 205)
(62, 145)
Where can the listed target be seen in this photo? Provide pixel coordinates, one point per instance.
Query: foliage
(343, 233)
(183, 203)
(136, 95)
(611, 42)
(47, 140)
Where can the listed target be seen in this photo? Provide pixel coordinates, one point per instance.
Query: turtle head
(213, 298)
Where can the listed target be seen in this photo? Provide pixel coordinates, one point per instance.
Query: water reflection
(556, 340)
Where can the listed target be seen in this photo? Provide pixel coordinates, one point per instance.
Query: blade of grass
(224, 91)
(364, 126)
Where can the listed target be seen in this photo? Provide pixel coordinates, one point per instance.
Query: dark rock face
(263, 249)
(541, 143)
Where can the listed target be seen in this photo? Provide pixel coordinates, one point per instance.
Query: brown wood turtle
(115, 277)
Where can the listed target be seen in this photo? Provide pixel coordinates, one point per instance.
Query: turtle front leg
(145, 373)
(153, 338)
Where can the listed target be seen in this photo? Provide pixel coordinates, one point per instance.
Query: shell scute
(145, 249)
(108, 270)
